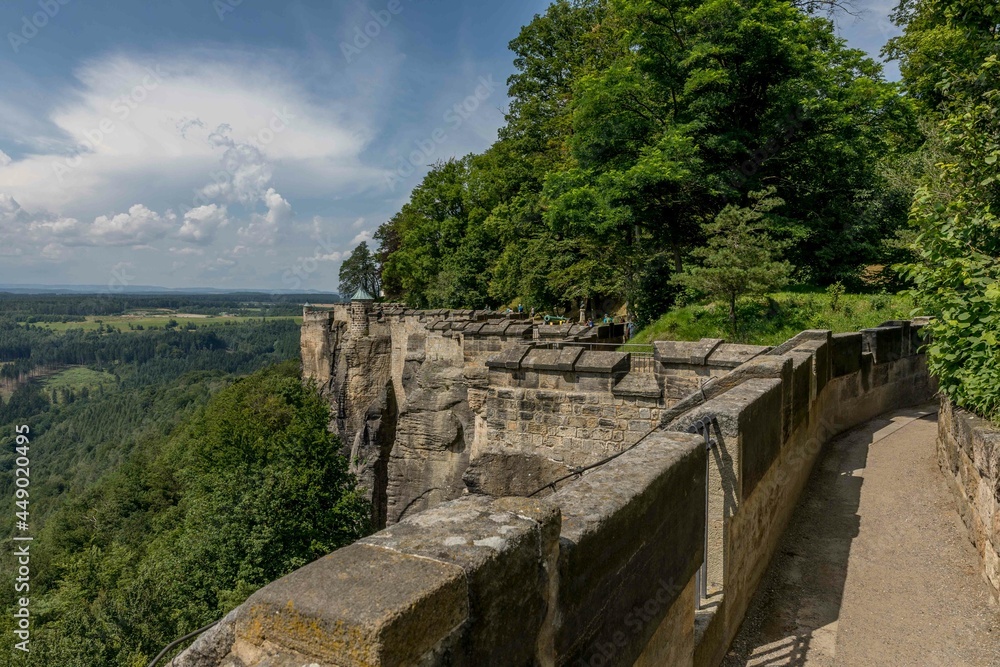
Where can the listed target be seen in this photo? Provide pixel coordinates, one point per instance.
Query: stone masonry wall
(969, 454)
(407, 389)
(772, 417)
(599, 573)
(553, 410)
(602, 571)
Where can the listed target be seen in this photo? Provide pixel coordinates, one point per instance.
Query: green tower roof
(362, 295)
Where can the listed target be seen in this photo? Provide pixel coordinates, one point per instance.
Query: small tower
(361, 304)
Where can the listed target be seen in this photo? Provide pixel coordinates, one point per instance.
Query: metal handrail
(174, 643)
(704, 427)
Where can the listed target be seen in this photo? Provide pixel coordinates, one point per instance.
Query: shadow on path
(873, 560)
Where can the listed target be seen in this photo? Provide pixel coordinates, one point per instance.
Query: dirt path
(875, 568)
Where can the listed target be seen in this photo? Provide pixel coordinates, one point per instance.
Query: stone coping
(572, 358)
(489, 581)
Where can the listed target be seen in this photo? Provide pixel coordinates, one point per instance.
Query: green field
(775, 320)
(123, 322)
(77, 378)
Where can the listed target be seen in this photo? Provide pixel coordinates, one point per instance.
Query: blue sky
(241, 143)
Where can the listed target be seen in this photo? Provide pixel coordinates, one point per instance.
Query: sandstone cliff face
(412, 402)
(364, 407)
(434, 438)
(317, 344)
(400, 400)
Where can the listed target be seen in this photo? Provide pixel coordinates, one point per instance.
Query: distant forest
(173, 470)
(68, 308)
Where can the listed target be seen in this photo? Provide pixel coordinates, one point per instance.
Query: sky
(242, 144)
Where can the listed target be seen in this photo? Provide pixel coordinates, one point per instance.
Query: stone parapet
(846, 350)
(885, 343)
(771, 416)
(497, 581)
(707, 357)
(968, 450)
(598, 566)
(631, 540)
(684, 352)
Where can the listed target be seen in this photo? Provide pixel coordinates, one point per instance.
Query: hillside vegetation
(950, 58)
(657, 148)
(774, 320)
(228, 486)
(173, 472)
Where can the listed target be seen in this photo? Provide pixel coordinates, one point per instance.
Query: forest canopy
(632, 124)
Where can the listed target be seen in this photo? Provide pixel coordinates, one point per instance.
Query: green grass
(770, 322)
(154, 322)
(76, 378)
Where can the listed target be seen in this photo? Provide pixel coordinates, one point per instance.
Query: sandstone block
(341, 608)
(632, 534)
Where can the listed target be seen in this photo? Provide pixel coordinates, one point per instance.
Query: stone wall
(408, 390)
(969, 454)
(554, 409)
(424, 417)
(601, 571)
(772, 417)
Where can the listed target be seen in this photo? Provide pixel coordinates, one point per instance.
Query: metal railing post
(704, 427)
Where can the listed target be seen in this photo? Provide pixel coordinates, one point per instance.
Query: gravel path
(875, 567)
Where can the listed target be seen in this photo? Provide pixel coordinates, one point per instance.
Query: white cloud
(245, 173)
(202, 155)
(187, 251)
(362, 237)
(55, 252)
(100, 149)
(140, 225)
(200, 224)
(135, 228)
(267, 229)
(20, 228)
(9, 209)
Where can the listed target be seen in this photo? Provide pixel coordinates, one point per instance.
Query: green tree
(189, 519)
(741, 258)
(949, 52)
(631, 123)
(360, 271)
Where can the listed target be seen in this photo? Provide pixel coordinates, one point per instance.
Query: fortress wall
(709, 357)
(550, 411)
(317, 346)
(408, 390)
(769, 432)
(602, 571)
(599, 573)
(968, 450)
